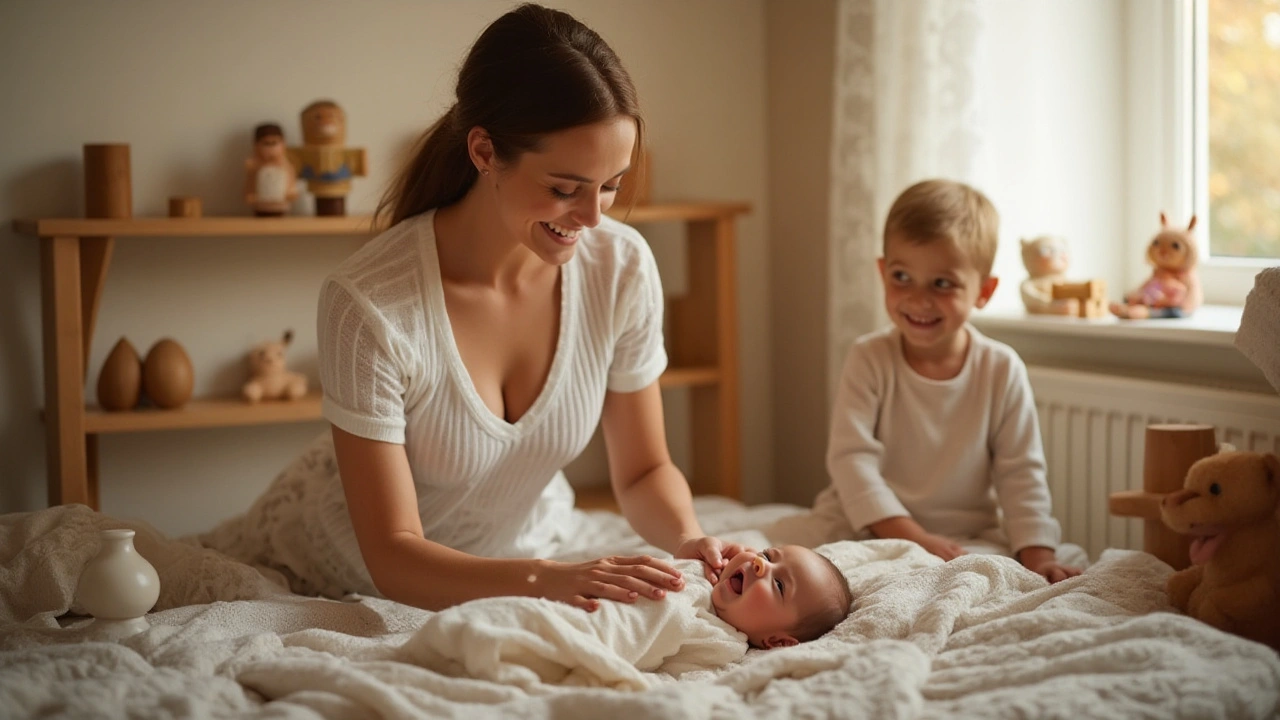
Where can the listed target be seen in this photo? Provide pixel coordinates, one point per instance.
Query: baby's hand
(712, 551)
(1044, 561)
(941, 546)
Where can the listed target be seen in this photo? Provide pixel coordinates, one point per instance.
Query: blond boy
(934, 436)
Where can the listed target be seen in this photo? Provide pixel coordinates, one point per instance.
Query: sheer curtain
(905, 110)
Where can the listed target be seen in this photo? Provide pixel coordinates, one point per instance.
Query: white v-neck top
(391, 371)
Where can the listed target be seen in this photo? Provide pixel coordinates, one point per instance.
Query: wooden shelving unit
(75, 254)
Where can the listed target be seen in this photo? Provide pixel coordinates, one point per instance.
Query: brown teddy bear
(268, 378)
(1230, 504)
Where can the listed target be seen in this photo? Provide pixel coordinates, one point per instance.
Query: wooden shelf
(203, 413)
(231, 412)
(315, 226)
(75, 254)
(197, 227)
(689, 377)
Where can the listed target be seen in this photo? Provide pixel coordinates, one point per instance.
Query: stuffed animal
(1045, 259)
(268, 378)
(1173, 290)
(1230, 504)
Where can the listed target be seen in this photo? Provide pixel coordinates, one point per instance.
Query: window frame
(1168, 89)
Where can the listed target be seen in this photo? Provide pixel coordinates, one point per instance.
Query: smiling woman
(468, 353)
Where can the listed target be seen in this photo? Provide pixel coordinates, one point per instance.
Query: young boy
(775, 598)
(934, 425)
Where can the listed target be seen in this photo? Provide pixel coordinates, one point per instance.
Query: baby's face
(765, 594)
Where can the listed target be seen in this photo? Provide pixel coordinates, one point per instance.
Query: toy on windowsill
(1046, 290)
(1173, 291)
(324, 161)
(1229, 505)
(270, 180)
(268, 377)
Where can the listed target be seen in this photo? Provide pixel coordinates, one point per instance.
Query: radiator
(1094, 427)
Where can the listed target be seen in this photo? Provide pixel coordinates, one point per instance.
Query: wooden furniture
(76, 253)
(1169, 451)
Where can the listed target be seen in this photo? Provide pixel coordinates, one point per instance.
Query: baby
(775, 598)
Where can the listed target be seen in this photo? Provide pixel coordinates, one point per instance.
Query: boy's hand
(1044, 561)
(712, 551)
(943, 547)
(905, 528)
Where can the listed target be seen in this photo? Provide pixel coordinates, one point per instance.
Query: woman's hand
(623, 579)
(712, 551)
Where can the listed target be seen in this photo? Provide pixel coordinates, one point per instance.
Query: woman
(468, 352)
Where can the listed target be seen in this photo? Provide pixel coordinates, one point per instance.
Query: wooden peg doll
(270, 179)
(323, 160)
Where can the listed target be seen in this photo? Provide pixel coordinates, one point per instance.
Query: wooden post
(1170, 451)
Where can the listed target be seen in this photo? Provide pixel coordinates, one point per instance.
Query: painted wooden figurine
(270, 179)
(324, 161)
(1173, 290)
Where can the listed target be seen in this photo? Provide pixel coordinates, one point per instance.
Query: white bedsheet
(977, 637)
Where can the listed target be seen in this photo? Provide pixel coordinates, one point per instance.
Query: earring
(484, 171)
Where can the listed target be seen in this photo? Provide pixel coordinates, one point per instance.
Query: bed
(975, 637)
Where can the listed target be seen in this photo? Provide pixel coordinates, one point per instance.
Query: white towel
(527, 641)
(1259, 335)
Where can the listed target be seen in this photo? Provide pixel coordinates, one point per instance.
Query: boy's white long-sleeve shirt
(947, 453)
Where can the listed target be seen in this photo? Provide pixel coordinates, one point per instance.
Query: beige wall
(184, 83)
(801, 50)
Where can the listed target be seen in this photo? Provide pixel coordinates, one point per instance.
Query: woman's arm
(651, 491)
(408, 568)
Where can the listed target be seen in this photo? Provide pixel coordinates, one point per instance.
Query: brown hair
(933, 210)
(834, 609)
(532, 72)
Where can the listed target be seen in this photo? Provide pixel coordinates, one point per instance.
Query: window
(1204, 134)
(1240, 83)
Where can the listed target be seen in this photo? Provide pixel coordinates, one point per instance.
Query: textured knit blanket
(976, 637)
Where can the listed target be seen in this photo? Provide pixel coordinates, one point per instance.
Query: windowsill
(1211, 325)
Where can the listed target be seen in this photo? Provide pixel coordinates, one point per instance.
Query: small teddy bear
(1045, 259)
(1230, 505)
(268, 378)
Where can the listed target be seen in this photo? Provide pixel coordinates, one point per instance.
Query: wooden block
(108, 190)
(1086, 290)
(184, 206)
(1096, 308)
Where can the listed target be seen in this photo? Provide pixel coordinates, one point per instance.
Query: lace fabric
(905, 110)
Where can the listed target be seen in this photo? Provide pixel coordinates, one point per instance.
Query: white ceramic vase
(118, 586)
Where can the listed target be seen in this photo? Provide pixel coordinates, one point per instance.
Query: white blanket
(529, 641)
(976, 637)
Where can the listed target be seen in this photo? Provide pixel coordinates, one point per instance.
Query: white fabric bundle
(1259, 335)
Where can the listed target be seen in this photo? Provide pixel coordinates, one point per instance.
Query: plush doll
(1230, 504)
(268, 378)
(1173, 291)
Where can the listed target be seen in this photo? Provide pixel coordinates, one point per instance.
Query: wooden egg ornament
(120, 379)
(167, 375)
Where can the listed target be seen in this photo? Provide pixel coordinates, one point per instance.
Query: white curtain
(905, 110)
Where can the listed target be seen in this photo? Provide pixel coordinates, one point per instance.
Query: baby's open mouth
(735, 582)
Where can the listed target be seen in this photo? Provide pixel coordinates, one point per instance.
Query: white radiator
(1094, 428)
